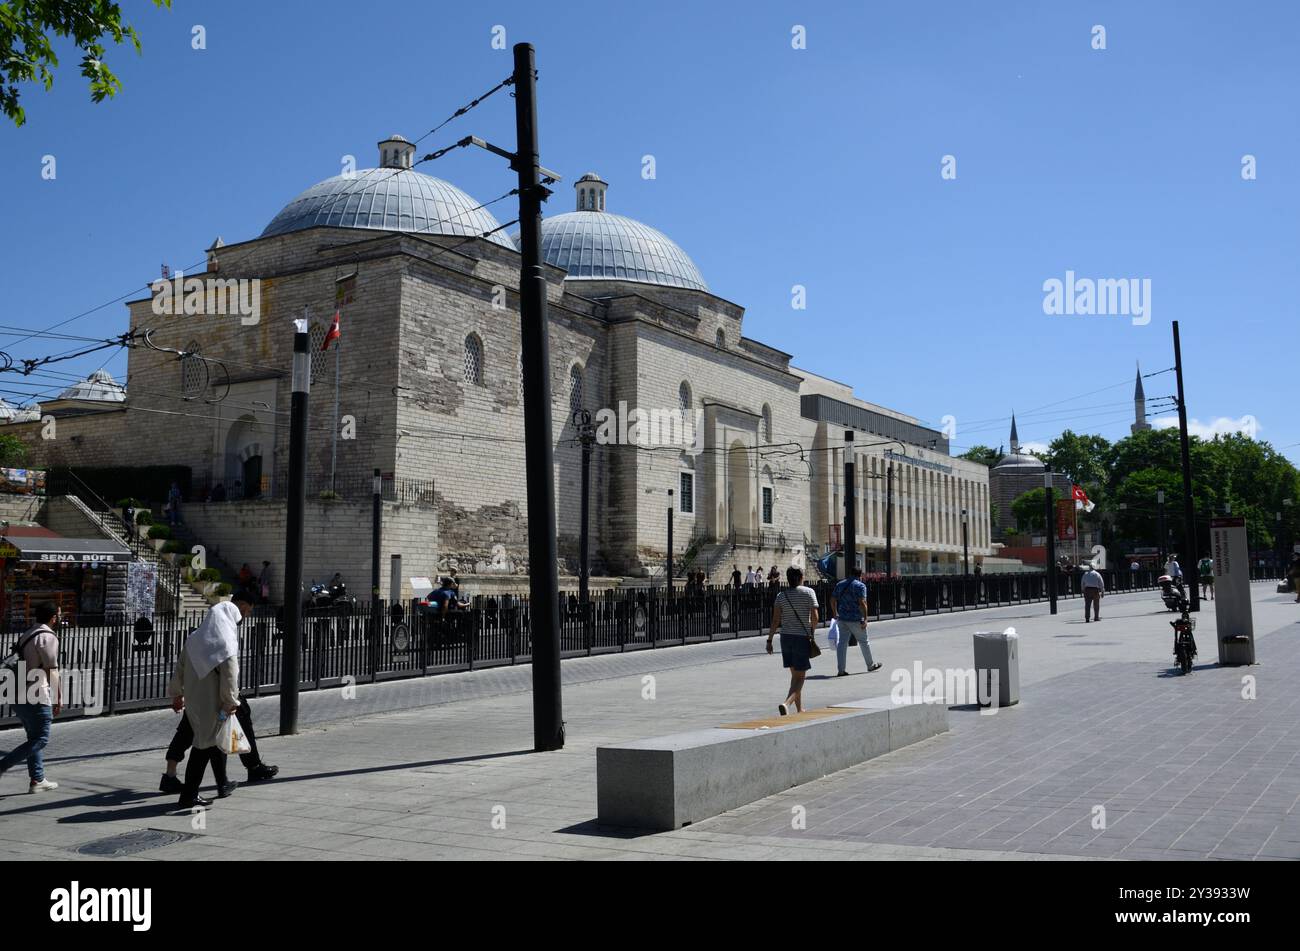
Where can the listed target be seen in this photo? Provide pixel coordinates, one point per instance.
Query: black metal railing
(134, 661)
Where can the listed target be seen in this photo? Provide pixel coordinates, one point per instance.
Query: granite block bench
(670, 781)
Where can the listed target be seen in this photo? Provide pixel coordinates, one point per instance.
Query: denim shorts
(795, 652)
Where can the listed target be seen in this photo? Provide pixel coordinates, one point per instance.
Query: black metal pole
(965, 560)
(297, 506)
(1051, 540)
(1189, 507)
(889, 521)
(670, 543)
(850, 509)
(543, 573)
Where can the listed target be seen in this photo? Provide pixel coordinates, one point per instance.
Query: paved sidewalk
(434, 768)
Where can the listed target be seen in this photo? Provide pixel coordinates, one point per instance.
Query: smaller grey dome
(98, 387)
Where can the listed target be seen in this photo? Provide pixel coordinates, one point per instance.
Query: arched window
(194, 372)
(582, 199)
(769, 496)
(684, 396)
(767, 424)
(474, 360)
(721, 339)
(316, 338)
(575, 388)
(602, 201)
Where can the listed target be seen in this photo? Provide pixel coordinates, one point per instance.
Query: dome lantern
(591, 192)
(395, 152)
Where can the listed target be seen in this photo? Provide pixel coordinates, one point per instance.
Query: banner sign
(1065, 520)
(1234, 620)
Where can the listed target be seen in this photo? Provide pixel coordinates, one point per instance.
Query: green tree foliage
(981, 454)
(1029, 511)
(1082, 457)
(27, 32)
(13, 451)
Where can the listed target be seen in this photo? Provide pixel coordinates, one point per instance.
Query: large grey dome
(99, 386)
(388, 199)
(597, 245)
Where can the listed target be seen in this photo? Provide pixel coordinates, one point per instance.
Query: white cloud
(1034, 448)
(1219, 426)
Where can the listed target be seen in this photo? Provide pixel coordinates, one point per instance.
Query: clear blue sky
(775, 167)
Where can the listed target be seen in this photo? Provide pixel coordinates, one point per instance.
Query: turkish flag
(1081, 500)
(334, 335)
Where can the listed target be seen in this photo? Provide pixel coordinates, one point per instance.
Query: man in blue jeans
(38, 649)
(849, 609)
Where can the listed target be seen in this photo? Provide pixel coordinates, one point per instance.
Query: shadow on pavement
(593, 828)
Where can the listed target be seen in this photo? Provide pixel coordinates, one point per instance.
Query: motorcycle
(1184, 641)
(330, 599)
(1172, 592)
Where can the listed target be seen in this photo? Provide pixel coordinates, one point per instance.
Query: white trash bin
(1000, 651)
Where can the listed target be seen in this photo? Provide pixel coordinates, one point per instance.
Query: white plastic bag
(231, 739)
(834, 635)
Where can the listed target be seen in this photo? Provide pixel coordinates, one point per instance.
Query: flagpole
(334, 452)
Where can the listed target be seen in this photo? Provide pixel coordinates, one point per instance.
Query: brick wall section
(21, 508)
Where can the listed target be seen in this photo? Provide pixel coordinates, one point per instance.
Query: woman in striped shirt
(795, 613)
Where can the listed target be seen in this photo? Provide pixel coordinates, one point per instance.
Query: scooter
(1184, 642)
(330, 599)
(1172, 592)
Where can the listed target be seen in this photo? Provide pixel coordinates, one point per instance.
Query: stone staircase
(109, 525)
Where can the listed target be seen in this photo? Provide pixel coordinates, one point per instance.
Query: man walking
(38, 653)
(1093, 589)
(1205, 568)
(735, 577)
(849, 609)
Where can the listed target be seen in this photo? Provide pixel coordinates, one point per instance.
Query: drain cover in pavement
(129, 843)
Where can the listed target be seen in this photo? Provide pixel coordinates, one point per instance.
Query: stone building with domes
(425, 279)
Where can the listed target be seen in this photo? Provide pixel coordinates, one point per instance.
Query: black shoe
(225, 789)
(842, 673)
(875, 666)
(262, 772)
(171, 784)
(198, 802)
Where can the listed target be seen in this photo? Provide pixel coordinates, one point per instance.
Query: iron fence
(378, 641)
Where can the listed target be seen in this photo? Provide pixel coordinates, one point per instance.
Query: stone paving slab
(1185, 768)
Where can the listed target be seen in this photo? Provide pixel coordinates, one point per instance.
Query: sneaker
(225, 789)
(842, 673)
(262, 772)
(198, 802)
(876, 666)
(783, 709)
(45, 785)
(171, 784)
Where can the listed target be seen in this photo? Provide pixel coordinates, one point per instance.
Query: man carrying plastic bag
(849, 610)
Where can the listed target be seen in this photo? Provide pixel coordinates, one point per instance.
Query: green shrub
(224, 589)
(329, 495)
(173, 547)
(209, 574)
(144, 517)
(159, 531)
(133, 502)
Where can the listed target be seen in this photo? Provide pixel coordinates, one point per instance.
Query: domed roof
(1021, 460)
(99, 386)
(596, 245)
(388, 199)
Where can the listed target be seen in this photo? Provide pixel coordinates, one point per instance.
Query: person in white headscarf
(206, 685)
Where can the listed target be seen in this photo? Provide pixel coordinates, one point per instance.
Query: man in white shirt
(38, 651)
(1093, 589)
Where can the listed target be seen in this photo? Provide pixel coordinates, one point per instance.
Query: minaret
(591, 192)
(1140, 423)
(1015, 439)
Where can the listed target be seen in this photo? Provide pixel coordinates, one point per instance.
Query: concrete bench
(670, 781)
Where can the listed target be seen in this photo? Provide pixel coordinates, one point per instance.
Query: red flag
(333, 332)
(1081, 499)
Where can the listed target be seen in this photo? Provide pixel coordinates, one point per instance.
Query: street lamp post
(587, 437)
(850, 508)
(965, 558)
(670, 543)
(1051, 539)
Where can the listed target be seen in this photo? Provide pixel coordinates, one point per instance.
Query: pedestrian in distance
(751, 577)
(1094, 588)
(174, 504)
(848, 606)
(1293, 572)
(264, 583)
(795, 614)
(774, 578)
(38, 656)
(128, 519)
(206, 686)
(1205, 569)
(735, 577)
